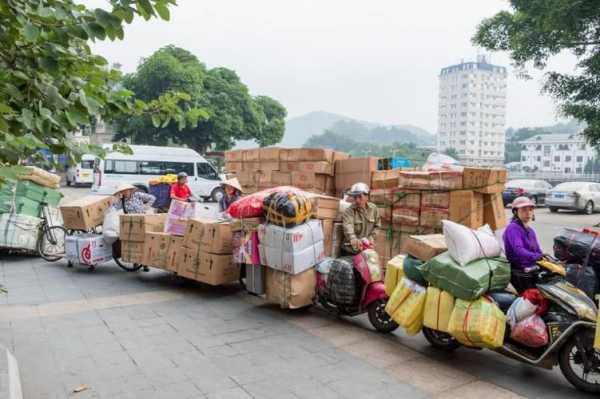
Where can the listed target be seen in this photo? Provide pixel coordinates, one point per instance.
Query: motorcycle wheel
(379, 319)
(571, 362)
(440, 340)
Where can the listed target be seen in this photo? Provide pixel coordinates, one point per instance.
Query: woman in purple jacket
(521, 244)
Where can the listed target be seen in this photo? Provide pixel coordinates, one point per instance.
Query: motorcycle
(371, 298)
(571, 322)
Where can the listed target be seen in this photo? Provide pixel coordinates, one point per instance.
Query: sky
(377, 61)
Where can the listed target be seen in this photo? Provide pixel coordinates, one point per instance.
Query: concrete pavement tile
(381, 353)
(429, 375)
(339, 335)
(478, 390)
(231, 393)
(180, 390)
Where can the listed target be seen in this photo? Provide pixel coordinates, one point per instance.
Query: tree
(451, 152)
(536, 30)
(226, 110)
(50, 81)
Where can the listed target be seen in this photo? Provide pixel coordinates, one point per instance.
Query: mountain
(299, 129)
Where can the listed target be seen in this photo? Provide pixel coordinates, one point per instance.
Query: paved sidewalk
(111, 334)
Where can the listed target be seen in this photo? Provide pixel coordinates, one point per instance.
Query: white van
(150, 162)
(83, 172)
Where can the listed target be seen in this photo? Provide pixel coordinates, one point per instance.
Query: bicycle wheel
(127, 266)
(51, 244)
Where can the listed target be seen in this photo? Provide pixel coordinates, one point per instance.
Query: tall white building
(472, 112)
(559, 153)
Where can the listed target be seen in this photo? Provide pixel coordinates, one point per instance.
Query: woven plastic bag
(438, 309)
(479, 323)
(531, 331)
(466, 245)
(287, 208)
(342, 285)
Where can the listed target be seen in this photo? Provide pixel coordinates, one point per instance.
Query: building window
(556, 159)
(567, 170)
(539, 159)
(563, 147)
(523, 158)
(578, 170)
(568, 158)
(547, 149)
(538, 148)
(579, 159)
(546, 164)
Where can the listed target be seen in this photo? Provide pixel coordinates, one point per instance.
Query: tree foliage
(51, 83)
(225, 109)
(534, 31)
(341, 142)
(380, 134)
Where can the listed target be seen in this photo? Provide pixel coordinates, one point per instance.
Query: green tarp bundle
(25, 197)
(467, 282)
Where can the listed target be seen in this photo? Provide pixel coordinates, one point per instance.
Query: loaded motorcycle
(571, 321)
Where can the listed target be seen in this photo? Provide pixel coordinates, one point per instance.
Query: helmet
(358, 189)
(522, 202)
(181, 175)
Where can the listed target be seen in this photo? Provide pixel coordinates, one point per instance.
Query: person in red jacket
(181, 191)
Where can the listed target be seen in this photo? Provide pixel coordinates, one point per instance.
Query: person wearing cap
(131, 200)
(521, 244)
(181, 191)
(232, 191)
(359, 220)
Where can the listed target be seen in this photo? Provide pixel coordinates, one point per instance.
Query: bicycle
(51, 238)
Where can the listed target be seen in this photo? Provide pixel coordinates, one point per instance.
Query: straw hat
(233, 183)
(124, 187)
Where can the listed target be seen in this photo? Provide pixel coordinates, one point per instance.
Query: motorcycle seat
(502, 298)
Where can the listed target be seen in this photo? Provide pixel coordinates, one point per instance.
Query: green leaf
(49, 64)
(27, 118)
(144, 7)
(163, 11)
(94, 29)
(155, 120)
(31, 32)
(5, 109)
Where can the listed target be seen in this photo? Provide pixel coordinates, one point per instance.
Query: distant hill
(299, 129)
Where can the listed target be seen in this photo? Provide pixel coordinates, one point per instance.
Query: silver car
(579, 196)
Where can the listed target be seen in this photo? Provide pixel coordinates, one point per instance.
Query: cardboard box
(466, 207)
(478, 177)
(268, 166)
(435, 199)
(156, 249)
(493, 211)
(132, 251)
(87, 249)
(385, 213)
(234, 167)
(216, 238)
(175, 248)
(292, 262)
(385, 178)
(268, 154)
(354, 165)
(405, 198)
(389, 243)
(432, 217)
(294, 239)
(179, 212)
(234, 156)
(321, 167)
(134, 227)
(502, 175)
(217, 269)
(194, 230)
(85, 213)
(189, 263)
(281, 178)
(406, 216)
(251, 155)
(493, 189)
(312, 181)
(309, 154)
(333, 236)
(345, 180)
(431, 180)
(324, 207)
(382, 196)
(290, 291)
(426, 247)
(246, 224)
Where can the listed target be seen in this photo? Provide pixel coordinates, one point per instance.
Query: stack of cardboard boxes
(137, 246)
(415, 202)
(310, 169)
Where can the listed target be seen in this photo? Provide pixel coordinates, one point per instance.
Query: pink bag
(531, 331)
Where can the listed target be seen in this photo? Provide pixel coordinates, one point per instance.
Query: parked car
(534, 189)
(83, 172)
(579, 196)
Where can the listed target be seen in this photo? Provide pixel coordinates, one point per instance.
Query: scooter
(571, 321)
(371, 300)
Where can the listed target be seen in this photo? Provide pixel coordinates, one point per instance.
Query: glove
(356, 244)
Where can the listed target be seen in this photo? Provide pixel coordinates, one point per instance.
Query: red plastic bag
(251, 206)
(531, 331)
(535, 296)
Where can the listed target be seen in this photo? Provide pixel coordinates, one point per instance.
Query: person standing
(180, 190)
(359, 221)
(232, 191)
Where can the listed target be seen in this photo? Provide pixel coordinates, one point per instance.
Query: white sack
(520, 309)
(466, 245)
(111, 226)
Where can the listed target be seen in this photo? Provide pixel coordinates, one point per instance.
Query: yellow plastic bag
(414, 328)
(393, 273)
(597, 340)
(553, 267)
(401, 292)
(438, 309)
(479, 323)
(170, 179)
(411, 310)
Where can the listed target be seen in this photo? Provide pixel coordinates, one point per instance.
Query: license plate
(85, 175)
(559, 196)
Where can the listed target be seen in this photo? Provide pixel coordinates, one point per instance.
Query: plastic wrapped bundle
(438, 309)
(287, 208)
(531, 332)
(584, 278)
(478, 323)
(162, 192)
(343, 287)
(575, 246)
(406, 306)
(466, 282)
(393, 273)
